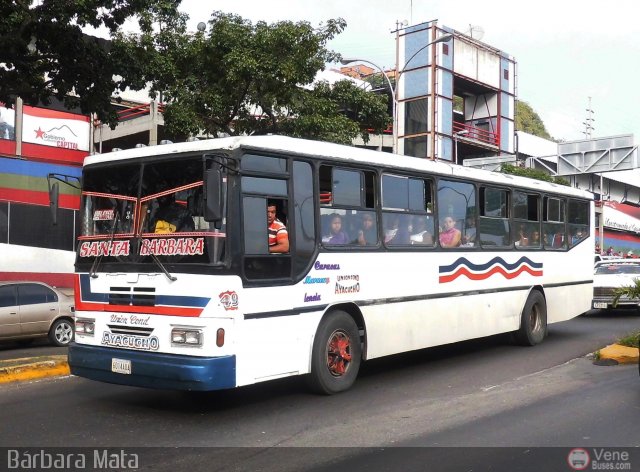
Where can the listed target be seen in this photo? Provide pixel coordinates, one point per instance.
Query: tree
(631, 292)
(528, 121)
(532, 174)
(44, 53)
(240, 78)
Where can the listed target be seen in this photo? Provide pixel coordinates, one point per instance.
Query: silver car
(34, 309)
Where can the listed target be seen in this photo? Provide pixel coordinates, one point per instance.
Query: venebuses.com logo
(598, 459)
(578, 459)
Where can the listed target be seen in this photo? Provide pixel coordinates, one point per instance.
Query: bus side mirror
(213, 195)
(54, 192)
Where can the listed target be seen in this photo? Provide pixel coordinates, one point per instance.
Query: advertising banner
(622, 217)
(56, 129)
(621, 230)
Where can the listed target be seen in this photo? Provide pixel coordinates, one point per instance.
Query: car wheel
(61, 332)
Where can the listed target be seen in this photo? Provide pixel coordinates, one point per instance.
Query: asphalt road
(447, 408)
(33, 348)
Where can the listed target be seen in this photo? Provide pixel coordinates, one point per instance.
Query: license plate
(120, 366)
(599, 305)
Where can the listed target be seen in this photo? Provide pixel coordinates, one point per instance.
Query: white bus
(422, 253)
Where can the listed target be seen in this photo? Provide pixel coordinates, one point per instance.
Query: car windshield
(619, 268)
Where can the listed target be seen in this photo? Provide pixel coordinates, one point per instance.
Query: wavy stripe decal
(497, 265)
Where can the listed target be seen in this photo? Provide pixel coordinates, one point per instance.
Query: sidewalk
(31, 368)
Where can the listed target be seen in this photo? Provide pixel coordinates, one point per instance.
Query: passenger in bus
(522, 240)
(450, 236)
(367, 234)
(469, 238)
(534, 241)
(171, 216)
(419, 232)
(398, 229)
(577, 236)
(277, 231)
(336, 234)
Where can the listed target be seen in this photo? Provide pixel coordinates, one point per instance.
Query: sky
(566, 50)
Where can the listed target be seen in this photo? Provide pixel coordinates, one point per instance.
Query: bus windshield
(134, 213)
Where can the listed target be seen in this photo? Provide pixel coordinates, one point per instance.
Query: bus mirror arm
(213, 195)
(54, 191)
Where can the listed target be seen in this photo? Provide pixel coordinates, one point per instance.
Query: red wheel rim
(338, 353)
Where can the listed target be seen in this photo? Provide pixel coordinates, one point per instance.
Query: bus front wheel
(533, 323)
(336, 355)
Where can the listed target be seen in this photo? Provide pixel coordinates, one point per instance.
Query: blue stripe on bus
(180, 300)
(35, 169)
(87, 295)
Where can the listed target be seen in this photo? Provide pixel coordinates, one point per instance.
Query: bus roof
(321, 149)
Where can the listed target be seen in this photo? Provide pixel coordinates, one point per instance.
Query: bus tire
(533, 322)
(336, 355)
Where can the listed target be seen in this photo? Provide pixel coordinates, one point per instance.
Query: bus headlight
(85, 326)
(184, 336)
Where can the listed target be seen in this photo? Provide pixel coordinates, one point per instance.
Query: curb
(620, 354)
(18, 370)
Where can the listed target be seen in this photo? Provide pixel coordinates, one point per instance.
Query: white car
(611, 274)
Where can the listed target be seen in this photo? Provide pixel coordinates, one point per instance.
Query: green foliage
(243, 78)
(528, 121)
(46, 54)
(532, 174)
(630, 291)
(631, 340)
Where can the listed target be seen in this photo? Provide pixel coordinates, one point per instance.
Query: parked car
(33, 309)
(611, 274)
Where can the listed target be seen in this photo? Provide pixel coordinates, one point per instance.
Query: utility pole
(588, 122)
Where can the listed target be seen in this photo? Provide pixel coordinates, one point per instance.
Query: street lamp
(348, 60)
(455, 140)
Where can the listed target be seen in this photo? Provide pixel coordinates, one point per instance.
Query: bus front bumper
(153, 370)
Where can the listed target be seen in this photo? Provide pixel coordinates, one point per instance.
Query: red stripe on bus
(485, 275)
(144, 310)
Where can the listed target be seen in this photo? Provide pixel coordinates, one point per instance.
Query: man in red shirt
(278, 236)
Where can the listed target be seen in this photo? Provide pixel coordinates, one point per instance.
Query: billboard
(55, 128)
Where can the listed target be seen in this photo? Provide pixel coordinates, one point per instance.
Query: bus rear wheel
(336, 355)
(533, 323)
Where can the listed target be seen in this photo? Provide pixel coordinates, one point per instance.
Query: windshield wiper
(98, 259)
(172, 278)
